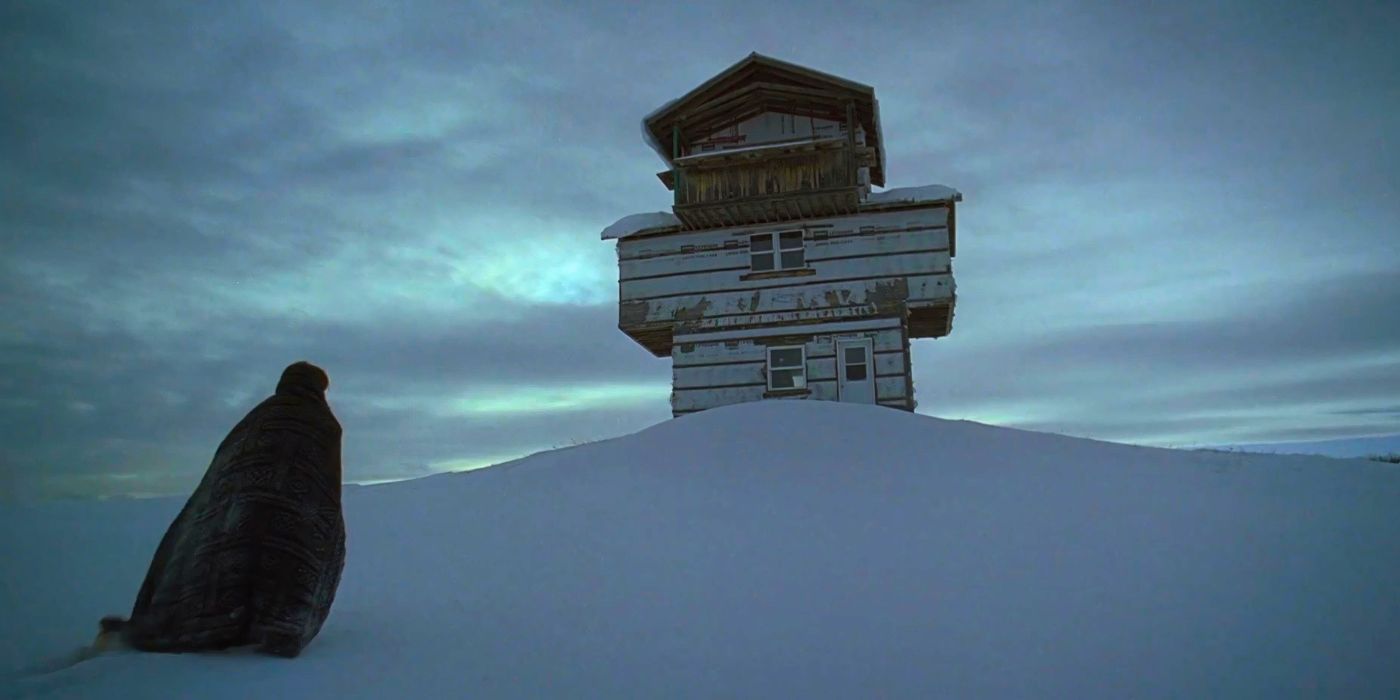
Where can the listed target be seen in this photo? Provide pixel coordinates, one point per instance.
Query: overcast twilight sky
(1179, 226)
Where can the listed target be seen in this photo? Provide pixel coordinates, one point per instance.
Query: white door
(855, 371)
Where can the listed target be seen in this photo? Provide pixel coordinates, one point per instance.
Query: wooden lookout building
(780, 272)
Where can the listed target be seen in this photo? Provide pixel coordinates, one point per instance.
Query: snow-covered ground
(786, 550)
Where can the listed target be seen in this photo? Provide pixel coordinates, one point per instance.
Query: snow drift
(788, 549)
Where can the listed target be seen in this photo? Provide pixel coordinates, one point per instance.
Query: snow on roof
(650, 138)
(926, 193)
(633, 224)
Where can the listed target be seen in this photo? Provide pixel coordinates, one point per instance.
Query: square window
(770, 251)
(787, 367)
(788, 379)
(785, 357)
(855, 355)
(761, 257)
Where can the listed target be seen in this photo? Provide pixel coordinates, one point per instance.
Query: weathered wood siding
(718, 368)
(818, 170)
(766, 128)
(860, 266)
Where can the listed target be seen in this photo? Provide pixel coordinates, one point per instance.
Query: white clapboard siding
(681, 242)
(890, 388)
(886, 340)
(862, 273)
(903, 241)
(781, 318)
(890, 365)
(687, 252)
(858, 234)
(925, 289)
(685, 401)
(742, 345)
(693, 353)
(689, 401)
(735, 259)
(717, 373)
(743, 373)
(824, 390)
(735, 263)
(856, 328)
(813, 295)
(892, 265)
(734, 374)
(821, 368)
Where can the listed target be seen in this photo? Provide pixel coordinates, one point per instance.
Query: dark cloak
(256, 554)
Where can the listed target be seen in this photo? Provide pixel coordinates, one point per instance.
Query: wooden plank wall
(719, 372)
(765, 128)
(859, 264)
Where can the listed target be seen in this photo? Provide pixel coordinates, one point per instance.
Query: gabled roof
(760, 83)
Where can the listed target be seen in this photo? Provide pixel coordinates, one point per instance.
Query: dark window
(790, 243)
(787, 368)
(856, 366)
(761, 252)
(789, 255)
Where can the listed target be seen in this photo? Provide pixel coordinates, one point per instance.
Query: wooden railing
(777, 176)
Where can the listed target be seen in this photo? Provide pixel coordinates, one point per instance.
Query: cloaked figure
(256, 555)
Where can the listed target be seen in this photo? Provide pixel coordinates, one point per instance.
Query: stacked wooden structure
(780, 272)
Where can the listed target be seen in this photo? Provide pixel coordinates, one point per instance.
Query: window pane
(785, 357)
(762, 262)
(791, 239)
(792, 258)
(789, 379)
(784, 378)
(761, 243)
(855, 355)
(855, 373)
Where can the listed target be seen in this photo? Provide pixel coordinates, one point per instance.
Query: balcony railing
(777, 187)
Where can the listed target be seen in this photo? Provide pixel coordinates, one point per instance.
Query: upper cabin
(779, 271)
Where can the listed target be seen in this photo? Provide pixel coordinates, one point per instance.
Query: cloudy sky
(1180, 224)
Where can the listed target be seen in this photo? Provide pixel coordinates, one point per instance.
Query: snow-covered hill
(784, 550)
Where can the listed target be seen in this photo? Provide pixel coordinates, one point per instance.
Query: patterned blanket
(256, 554)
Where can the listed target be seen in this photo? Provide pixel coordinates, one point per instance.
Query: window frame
(864, 364)
(801, 366)
(776, 250)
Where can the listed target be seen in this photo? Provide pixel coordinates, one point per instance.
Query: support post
(851, 143)
(676, 169)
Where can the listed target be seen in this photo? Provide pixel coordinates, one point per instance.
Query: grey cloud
(1382, 411)
(194, 195)
(150, 407)
(1300, 351)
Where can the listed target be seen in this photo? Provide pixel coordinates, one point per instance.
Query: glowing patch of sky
(561, 399)
(470, 463)
(519, 259)
(462, 464)
(506, 400)
(538, 260)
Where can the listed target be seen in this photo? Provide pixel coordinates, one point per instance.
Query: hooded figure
(256, 554)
